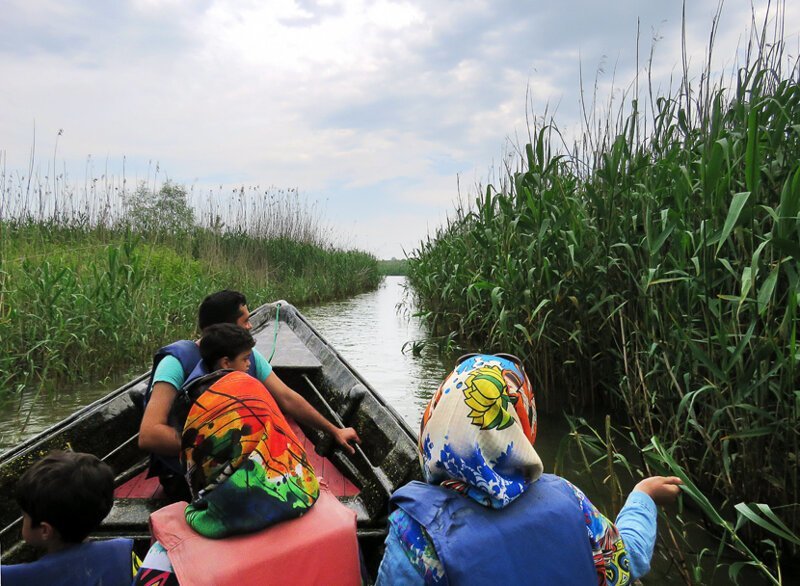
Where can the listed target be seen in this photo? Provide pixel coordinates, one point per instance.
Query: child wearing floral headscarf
(486, 513)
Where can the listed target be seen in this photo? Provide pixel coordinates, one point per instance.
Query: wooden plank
(290, 351)
(324, 468)
(349, 489)
(139, 487)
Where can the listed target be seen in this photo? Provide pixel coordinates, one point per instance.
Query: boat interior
(385, 460)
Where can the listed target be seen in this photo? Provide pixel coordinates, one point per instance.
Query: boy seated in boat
(247, 472)
(172, 366)
(226, 347)
(64, 497)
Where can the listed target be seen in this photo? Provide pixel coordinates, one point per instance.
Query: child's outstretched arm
(637, 521)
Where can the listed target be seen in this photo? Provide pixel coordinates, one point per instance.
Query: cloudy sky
(373, 108)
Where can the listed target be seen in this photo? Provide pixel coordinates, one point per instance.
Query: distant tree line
(393, 267)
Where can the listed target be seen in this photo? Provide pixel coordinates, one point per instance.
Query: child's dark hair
(71, 491)
(220, 307)
(224, 340)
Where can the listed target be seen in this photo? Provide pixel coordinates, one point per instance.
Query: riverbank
(651, 273)
(87, 296)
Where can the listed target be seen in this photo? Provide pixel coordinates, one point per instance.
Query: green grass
(651, 270)
(393, 267)
(87, 294)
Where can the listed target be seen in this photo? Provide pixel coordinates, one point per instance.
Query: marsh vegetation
(94, 277)
(393, 267)
(649, 270)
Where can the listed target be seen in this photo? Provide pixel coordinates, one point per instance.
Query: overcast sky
(371, 108)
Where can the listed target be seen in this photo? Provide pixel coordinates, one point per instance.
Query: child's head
(64, 497)
(226, 346)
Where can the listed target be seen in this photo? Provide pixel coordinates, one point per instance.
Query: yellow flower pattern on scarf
(486, 394)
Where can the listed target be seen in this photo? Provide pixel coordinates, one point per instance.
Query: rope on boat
(275, 337)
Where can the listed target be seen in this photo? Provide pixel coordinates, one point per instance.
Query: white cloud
(368, 104)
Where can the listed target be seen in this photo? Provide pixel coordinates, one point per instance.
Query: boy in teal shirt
(173, 364)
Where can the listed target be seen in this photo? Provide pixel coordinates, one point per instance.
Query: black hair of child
(224, 341)
(71, 491)
(220, 307)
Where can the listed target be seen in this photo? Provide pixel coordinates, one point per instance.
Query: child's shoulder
(106, 562)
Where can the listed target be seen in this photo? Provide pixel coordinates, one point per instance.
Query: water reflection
(369, 330)
(34, 410)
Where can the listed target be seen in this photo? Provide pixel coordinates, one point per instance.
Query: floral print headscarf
(478, 430)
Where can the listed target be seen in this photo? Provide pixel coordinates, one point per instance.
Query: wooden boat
(108, 428)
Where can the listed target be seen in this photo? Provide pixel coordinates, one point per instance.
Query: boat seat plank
(290, 352)
(349, 489)
(140, 487)
(324, 468)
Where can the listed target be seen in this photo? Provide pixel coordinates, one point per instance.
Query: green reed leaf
(737, 204)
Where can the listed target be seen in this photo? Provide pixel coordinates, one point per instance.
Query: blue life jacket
(93, 563)
(187, 353)
(540, 538)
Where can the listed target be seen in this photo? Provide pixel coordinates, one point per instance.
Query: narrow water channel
(370, 330)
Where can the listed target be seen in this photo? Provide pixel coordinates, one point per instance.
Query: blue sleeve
(608, 548)
(263, 368)
(169, 370)
(395, 566)
(637, 524)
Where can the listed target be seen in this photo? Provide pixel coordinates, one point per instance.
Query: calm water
(369, 330)
(32, 412)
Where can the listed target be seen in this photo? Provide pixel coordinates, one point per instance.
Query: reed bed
(393, 267)
(650, 269)
(93, 278)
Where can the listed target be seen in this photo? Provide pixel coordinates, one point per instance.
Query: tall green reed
(88, 290)
(652, 267)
